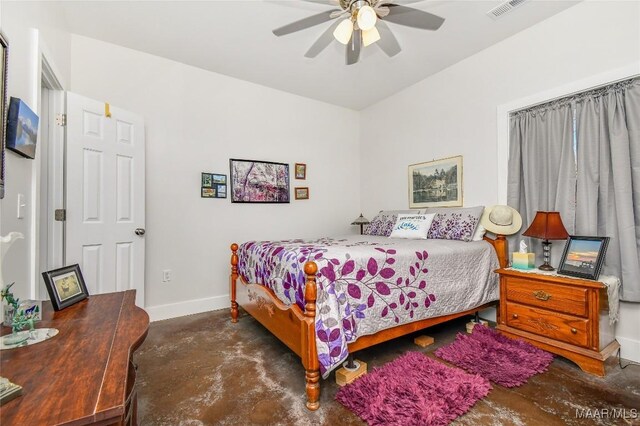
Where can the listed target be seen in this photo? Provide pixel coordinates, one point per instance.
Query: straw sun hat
(501, 219)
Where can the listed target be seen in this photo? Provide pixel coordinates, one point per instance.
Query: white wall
(19, 21)
(455, 111)
(195, 121)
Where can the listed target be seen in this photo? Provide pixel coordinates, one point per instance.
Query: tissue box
(523, 260)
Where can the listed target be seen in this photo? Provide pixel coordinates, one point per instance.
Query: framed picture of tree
(436, 183)
(259, 181)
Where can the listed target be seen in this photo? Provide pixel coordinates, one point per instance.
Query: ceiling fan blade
(305, 23)
(388, 42)
(382, 11)
(327, 2)
(415, 18)
(322, 42)
(353, 48)
(338, 13)
(388, 2)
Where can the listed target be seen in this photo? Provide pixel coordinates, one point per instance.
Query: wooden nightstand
(566, 316)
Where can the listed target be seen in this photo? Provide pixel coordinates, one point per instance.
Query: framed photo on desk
(65, 286)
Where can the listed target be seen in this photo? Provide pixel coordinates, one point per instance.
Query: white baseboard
(630, 348)
(188, 307)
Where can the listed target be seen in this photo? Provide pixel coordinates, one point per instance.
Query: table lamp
(546, 226)
(361, 220)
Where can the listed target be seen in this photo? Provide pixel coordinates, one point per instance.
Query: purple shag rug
(507, 362)
(413, 390)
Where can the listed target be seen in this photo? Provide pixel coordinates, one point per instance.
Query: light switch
(22, 204)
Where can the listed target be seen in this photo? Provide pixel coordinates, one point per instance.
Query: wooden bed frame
(296, 328)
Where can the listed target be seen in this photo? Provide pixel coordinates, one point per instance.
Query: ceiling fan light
(370, 36)
(343, 31)
(366, 18)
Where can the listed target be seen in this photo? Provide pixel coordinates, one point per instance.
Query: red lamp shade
(547, 226)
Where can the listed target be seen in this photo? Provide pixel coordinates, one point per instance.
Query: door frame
(48, 79)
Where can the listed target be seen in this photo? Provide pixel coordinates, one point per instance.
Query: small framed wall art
(301, 171)
(65, 286)
(583, 257)
(213, 185)
(302, 193)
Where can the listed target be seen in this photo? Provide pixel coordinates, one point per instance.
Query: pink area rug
(507, 362)
(413, 390)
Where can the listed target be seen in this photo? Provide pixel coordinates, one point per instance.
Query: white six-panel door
(105, 196)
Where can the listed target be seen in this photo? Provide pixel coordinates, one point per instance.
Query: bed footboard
(289, 324)
(296, 328)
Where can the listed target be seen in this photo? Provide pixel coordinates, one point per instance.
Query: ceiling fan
(363, 24)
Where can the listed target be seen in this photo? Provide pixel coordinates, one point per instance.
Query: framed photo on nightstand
(583, 257)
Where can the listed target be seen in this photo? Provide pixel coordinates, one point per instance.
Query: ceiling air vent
(505, 7)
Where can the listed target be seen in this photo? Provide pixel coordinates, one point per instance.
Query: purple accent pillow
(455, 224)
(383, 223)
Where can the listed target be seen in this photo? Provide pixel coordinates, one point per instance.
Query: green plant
(20, 319)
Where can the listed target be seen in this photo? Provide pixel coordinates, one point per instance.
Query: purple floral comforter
(370, 283)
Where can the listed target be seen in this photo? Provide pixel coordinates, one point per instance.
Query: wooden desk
(84, 375)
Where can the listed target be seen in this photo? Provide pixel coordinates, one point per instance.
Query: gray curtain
(542, 174)
(608, 178)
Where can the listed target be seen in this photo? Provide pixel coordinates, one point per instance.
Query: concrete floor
(204, 370)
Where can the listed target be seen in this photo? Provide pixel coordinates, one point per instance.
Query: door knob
(140, 232)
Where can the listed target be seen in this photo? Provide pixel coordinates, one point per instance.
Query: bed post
(310, 352)
(501, 246)
(233, 279)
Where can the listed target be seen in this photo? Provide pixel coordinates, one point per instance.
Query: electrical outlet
(166, 275)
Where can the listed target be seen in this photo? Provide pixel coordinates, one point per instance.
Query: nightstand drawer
(555, 297)
(553, 325)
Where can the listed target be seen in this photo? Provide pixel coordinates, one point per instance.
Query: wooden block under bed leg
(345, 375)
(423, 341)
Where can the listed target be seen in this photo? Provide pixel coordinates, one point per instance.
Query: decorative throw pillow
(382, 224)
(455, 224)
(413, 226)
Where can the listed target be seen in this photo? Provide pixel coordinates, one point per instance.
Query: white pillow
(413, 226)
(479, 234)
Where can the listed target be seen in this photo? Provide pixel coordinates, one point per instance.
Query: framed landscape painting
(259, 181)
(22, 128)
(436, 183)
